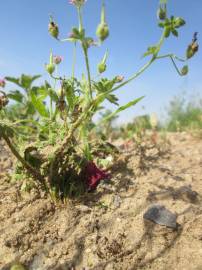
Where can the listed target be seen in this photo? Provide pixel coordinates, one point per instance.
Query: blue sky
(25, 45)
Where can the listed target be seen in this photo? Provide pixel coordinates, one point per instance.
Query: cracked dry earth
(106, 229)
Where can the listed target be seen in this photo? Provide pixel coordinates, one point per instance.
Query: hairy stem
(171, 55)
(172, 58)
(85, 51)
(176, 67)
(80, 19)
(35, 173)
(74, 62)
(88, 71)
(101, 96)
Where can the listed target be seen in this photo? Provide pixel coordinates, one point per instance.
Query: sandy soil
(106, 229)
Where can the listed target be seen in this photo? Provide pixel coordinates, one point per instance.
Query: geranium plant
(60, 154)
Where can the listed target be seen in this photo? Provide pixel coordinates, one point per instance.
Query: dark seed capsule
(53, 29)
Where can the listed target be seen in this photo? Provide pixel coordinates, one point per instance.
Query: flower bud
(178, 22)
(77, 3)
(53, 29)
(184, 70)
(88, 42)
(2, 83)
(57, 59)
(161, 13)
(102, 31)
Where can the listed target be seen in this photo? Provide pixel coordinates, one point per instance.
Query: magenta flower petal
(93, 175)
(2, 83)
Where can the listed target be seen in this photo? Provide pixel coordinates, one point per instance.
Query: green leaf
(175, 32)
(161, 24)
(113, 99)
(39, 105)
(26, 80)
(122, 108)
(70, 96)
(151, 50)
(42, 93)
(15, 95)
(13, 80)
(52, 94)
(30, 109)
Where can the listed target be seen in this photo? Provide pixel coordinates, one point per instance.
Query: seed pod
(53, 29)
(184, 70)
(178, 22)
(101, 67)
(192, 49)
(61, 104)
(50, 68)
(161, 13)
(102, 31)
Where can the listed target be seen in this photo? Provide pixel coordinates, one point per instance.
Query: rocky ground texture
(106, 229)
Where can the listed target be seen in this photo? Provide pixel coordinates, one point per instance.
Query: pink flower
(2, 83)
(119, 78)
(57, 59)
(71, 35)
(93, 175)
(77, 3)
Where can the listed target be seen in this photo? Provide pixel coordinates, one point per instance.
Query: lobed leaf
(39, 105)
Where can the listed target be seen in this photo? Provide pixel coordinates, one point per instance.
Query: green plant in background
(105, 127)
(184, 114)
(62, 152)
(137, 127)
